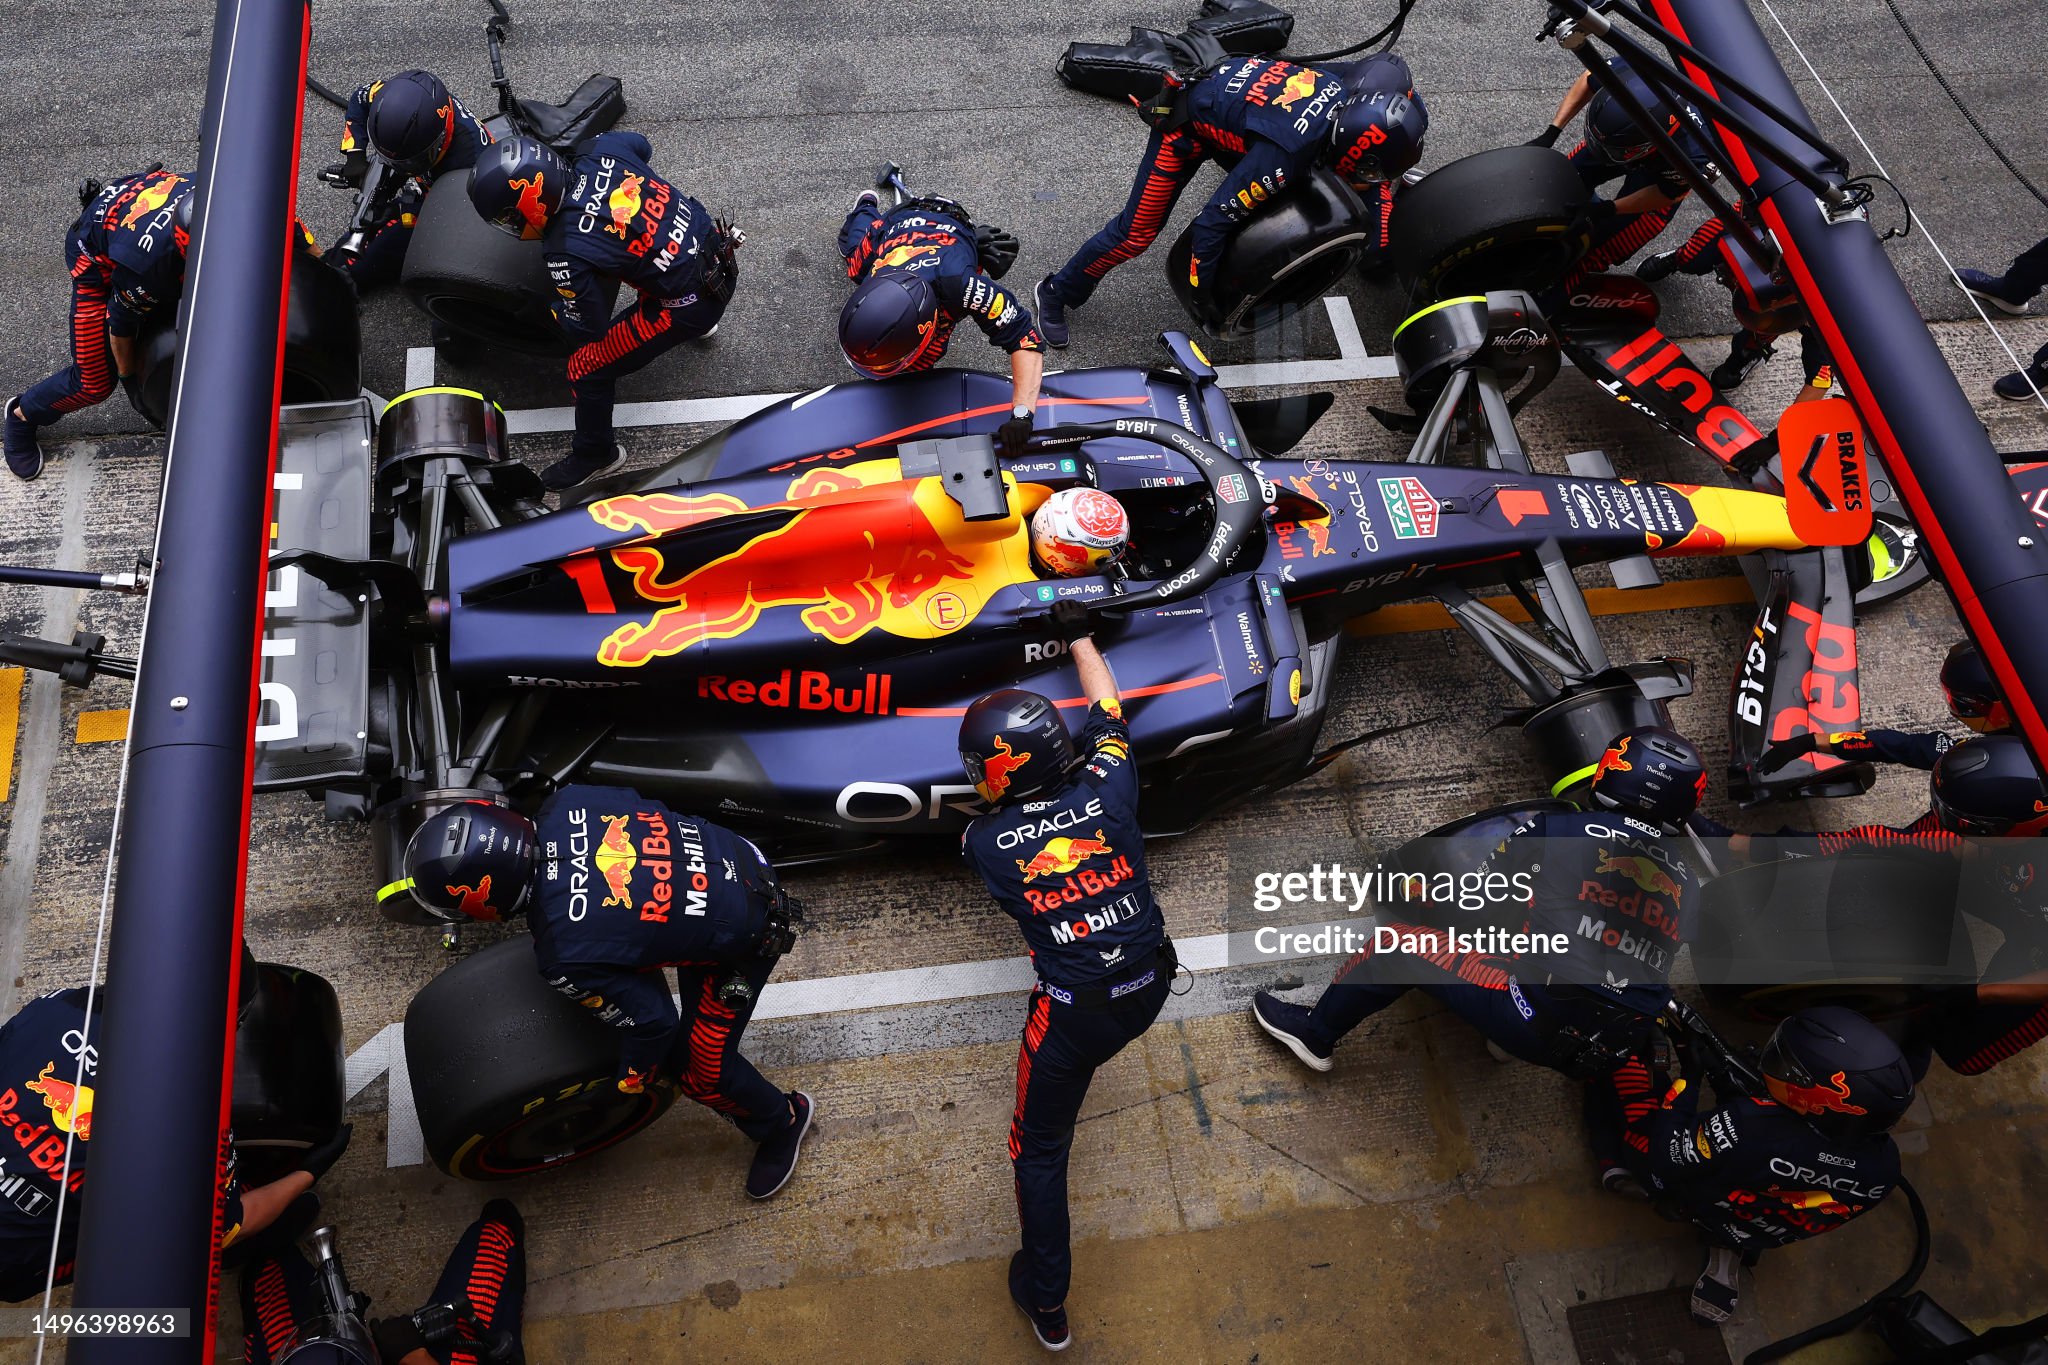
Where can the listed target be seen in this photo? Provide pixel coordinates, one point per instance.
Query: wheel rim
(560, 1131)
(1532, 265)
(489, 322)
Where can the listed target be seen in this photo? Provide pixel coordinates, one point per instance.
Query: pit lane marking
(1408, 618)
(10, 724)
(102, 727)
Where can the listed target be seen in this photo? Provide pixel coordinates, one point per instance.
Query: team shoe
(868, 199)
(1049, 1325)
(1742, 362)
(1620, 1180)
(1288, 1023)
(2013, 388)
(24, 455)
(1713, 1293)
(1657, 267)
(574, 469)
(1052, 314)
(1993, 290)
(775, 1159)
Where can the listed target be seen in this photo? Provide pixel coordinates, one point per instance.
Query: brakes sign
(1827, 488)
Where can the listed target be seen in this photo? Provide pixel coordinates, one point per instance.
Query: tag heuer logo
(1410, 507)
(1232, 488)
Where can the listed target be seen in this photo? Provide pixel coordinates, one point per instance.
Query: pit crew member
(1269, 123)
(918, 270)
(1610, 879)
(126, 259)
(48, 1066)
(1062, 852)
(1759, 1172)
(2013, 292)
(413, 122)
(617, 888)
(606, 219)
(480, 1298)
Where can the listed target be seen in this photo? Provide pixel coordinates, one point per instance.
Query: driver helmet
(1651, 772)
(1014, 745)
(1613, 132)
(518, 185)
(891, 326)
(1378, 137)
(1971, 695)
(1079, 531)
(474, 860)
(412, 120)
(1838, 1071)
(1988, 786)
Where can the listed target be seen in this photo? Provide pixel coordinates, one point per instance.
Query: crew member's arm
(355, 140)
(579, 302)
(1576, 97)
(1648, 199)
(1027, 368)
(1097, 685)
(1260, 174)
(247, 1212)
(1919, 750)
(858, 236)
(639, 1004)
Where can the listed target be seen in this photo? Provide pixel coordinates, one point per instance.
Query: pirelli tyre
(476, 280)
(323, 346)
(509, 1077)
(289, 1069)
(1511, 218)
(1281, 261)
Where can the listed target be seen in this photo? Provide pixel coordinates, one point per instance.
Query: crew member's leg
(1619, 238)
(279, 1297)
(1367, 983)
(87, 380)
(708, 1064)
(1694, 256)
(634, 339)
(1170, 162)
(488, 1268)
(2012, 291)
(1977, 1035)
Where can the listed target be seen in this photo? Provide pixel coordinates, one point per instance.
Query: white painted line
(1352, 362)
(384, 1053)
(419, 367)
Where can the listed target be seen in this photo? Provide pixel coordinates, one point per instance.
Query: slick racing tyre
(1860, 929)
(323, 346)
(511, 1078)
(1510, 218)
(1280, 262)
(467, 275)
(289, 1069)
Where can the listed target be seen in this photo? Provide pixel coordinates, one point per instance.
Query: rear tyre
(289, 1071)
(1510, 218)
(509, 1077)
(476, 280)
(1280, 262)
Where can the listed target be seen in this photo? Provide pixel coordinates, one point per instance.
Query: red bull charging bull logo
(474, 901)
(1829, 1097)
(903, 255)
(532, 206)
(1060, 856)
(1614, 760)
(615, 860)
(1318, 529)
(624, 204)
(1642, 871)
(1301, 83)
(996, 770)
(70, 1105)
(149, 199)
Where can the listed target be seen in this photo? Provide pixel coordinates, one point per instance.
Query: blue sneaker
(1289, 1025)
(2013, 388)
(24, 455)
(1995, 291)
(1052, 314)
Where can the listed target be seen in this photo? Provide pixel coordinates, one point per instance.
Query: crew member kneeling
(1061, 850)
(616, 888)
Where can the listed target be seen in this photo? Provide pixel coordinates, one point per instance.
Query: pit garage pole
(160, 1109)
(1986, 548)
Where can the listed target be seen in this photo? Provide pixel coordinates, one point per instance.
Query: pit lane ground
(1421, 1202)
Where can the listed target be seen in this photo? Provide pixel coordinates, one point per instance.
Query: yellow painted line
(10, 725)
(1407, 618)
(100, 727)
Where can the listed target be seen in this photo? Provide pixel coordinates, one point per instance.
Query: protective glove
(396, 1339)
(317, 1161)
(1786, 750)
(1546, 138)
(347, 173)
(1070, 621)
(997, 248)
(1599, 210)
(1011, 436)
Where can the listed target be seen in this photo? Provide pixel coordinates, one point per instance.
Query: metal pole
(148, 1239)
(1985, 545)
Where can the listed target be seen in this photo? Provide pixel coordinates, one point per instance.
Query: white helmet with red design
(1079, 531)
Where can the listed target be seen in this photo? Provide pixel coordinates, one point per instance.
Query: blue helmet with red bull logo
(891, 325)
(1988, 786)
(474, 860)
(1838, 1071)
(1014, 745)
(1378, 137)
(1651, 772)
(1972, 696)
(1612, 131)
(412, 120)
(518, 185)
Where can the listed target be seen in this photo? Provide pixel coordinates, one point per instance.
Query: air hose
(1897, 1289)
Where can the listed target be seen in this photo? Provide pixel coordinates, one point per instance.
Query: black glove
(347, 173)
(1070, 621)
(317, 1161)
(1546, 138)
(1011, 436)
(1599, 210)
(1786, 750)
(396, 1339)
(997, 248)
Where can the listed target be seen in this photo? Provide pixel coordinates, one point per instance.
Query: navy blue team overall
(1612, 885)
(281, 1295)
(125, 263)
(43, 1108)
(383, 253)
(1268, 122)
(622, 223)
(1071, 870)
(921, 238)
(1623, 235)
(627, 887)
